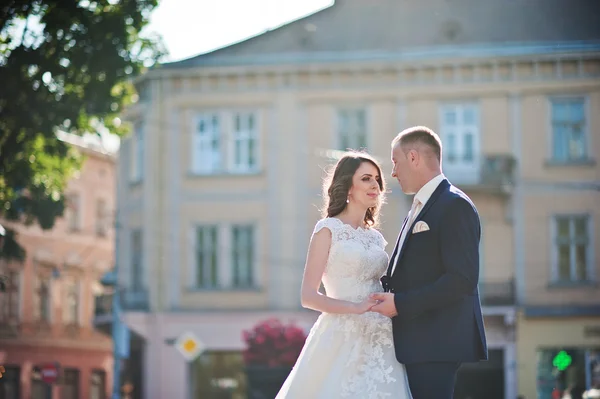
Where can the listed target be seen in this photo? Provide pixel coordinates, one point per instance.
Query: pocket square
(420, 227)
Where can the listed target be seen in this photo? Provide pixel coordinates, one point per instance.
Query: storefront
(218, 372)
(557, 354)
(495, 378)
(567, 368)
(43, 372)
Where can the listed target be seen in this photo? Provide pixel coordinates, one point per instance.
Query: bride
(349, 351)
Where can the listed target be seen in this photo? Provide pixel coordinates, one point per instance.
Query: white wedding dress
(348, 355)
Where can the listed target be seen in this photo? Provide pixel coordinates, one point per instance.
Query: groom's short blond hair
(413, 136)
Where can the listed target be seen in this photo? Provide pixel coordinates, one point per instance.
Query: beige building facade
(47, 309)
(220, 181)
(556, 259)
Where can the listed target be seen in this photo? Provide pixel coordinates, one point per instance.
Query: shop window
(567, 371)
(219, 375)
(9, 385)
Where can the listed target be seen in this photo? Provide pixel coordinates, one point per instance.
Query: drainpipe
(116, 358)
(116, 321)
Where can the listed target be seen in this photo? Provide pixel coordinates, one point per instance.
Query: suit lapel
(443, 186)
(389, 269)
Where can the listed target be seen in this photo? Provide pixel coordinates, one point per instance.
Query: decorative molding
(381, 75)
(412, 56)
(240, 196)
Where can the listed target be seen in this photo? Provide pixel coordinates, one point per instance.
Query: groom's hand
(386, 305)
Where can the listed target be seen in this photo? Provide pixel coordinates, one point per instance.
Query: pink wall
(82, 256)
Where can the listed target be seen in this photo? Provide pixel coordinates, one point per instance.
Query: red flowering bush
(271, 343)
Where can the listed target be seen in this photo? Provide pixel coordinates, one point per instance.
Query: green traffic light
(562, 360)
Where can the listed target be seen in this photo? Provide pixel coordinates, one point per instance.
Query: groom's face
(401, 169)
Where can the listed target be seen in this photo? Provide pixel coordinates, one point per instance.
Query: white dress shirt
(422, 196)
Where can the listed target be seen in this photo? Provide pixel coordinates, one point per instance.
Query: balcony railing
(495, 174)
(103, 305)
(134, 299)
(497, 293)
(131, 300)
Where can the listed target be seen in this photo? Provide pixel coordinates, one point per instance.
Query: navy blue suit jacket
(435, 284)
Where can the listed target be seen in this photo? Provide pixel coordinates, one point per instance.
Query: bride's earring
(348, 200)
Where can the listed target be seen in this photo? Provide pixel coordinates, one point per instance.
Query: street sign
(49, 373)
(189, 346)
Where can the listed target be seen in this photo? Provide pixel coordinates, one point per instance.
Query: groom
(431, 283)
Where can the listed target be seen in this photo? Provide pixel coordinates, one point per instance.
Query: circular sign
(49, 373)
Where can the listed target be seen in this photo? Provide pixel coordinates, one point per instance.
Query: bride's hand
(364, 306)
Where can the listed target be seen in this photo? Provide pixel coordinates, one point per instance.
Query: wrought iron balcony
(130, 300)
(103, 304)
(134, 299)
(494, 174)
(497, 293)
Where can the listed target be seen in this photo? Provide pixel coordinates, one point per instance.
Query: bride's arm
(311, 298)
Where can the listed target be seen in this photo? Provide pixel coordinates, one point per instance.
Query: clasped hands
(381, 302)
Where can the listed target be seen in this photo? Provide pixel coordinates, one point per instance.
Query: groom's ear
(412, 155)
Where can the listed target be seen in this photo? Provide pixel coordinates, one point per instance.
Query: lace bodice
(349, 355)
(357, 259)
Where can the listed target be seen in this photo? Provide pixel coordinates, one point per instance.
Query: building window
(569, 142)
(207, 257)
(244, 155)
(98, 385)
(137, 164)
(573, 258)
(217, 374)
(39, 389)
(137, 272)
(102, 218)
(206, 144)
(243, 256)
(71, 308)
(73, 212)
(43, 300)
(9, 299)
(11, 378)
(352, 129)
(460, 134)
(567, 371)
(225, 142)
(70, 384)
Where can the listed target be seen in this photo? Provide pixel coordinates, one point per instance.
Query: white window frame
(76, 218)
(247, 278)
(465, 172)
(210, 249)
(587, 137)
(102, 221)
(555, 272)
(353, 129)
(137, 152)
(68, 318)
(203, 158)
(48, 303)
(11, 299)
(244, 135)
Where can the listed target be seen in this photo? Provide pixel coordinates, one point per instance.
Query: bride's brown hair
(338, 182)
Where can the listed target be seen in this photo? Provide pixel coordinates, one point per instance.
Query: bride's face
(365, 186)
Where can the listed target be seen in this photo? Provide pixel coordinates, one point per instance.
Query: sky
(192, 27)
